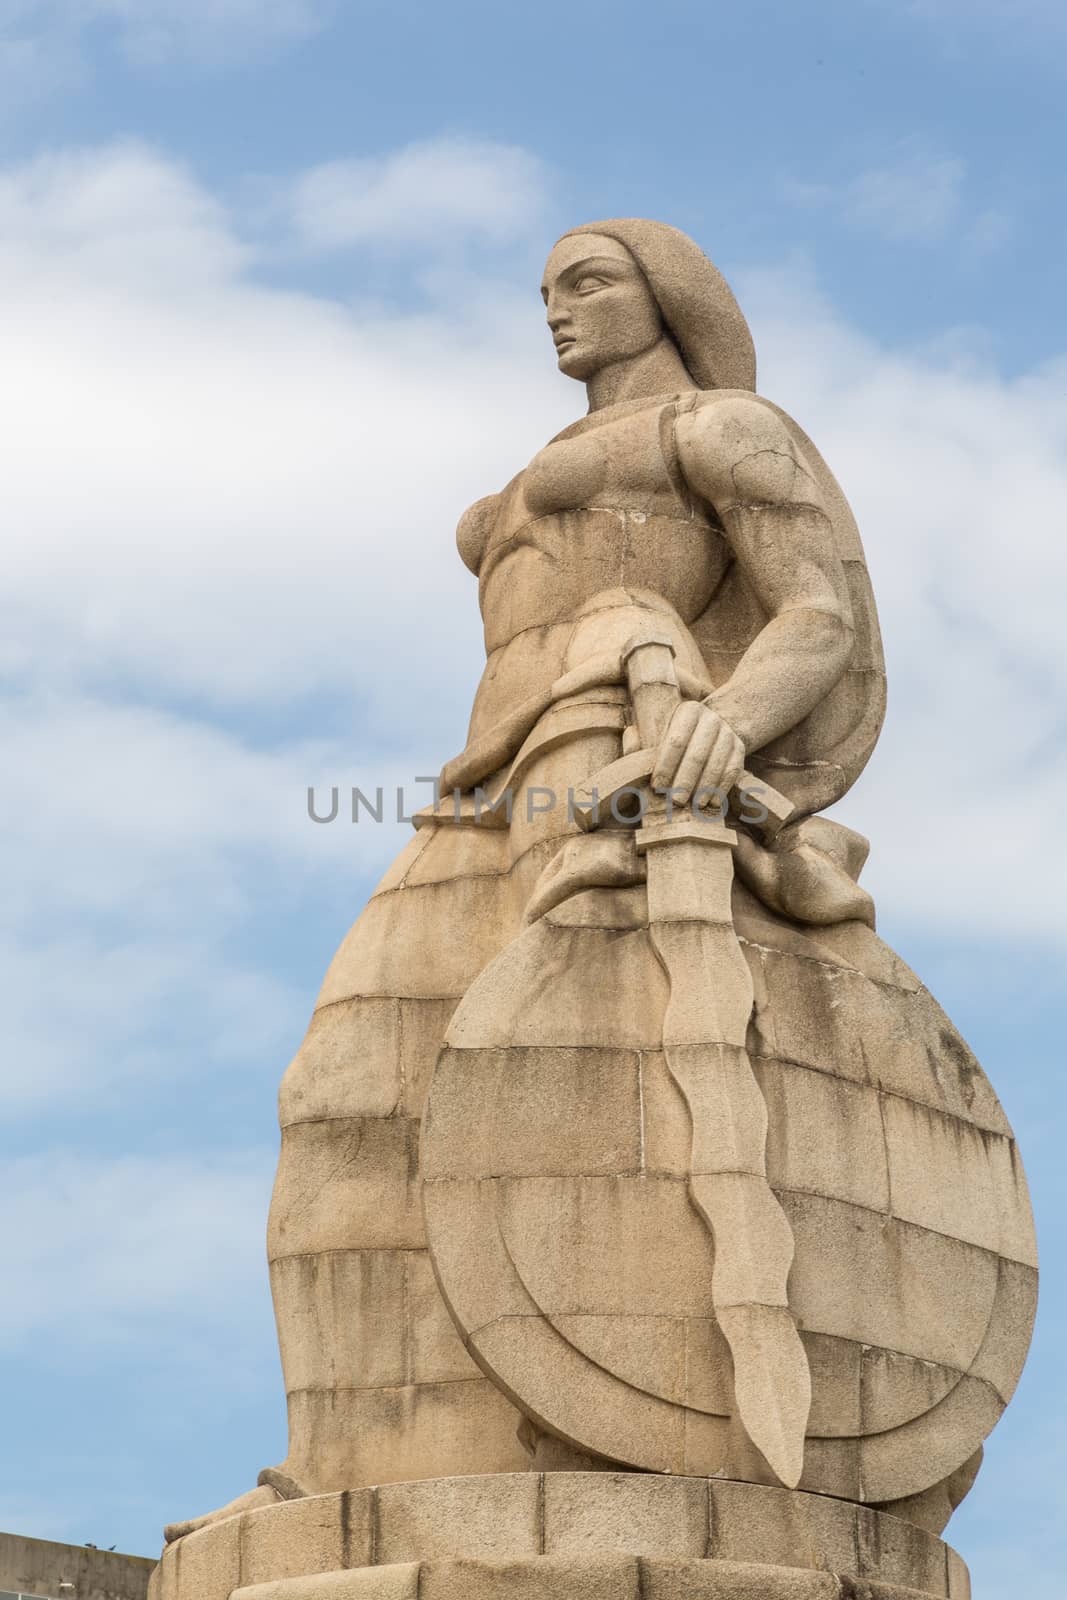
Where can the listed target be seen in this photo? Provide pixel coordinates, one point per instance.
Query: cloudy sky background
(269, 321)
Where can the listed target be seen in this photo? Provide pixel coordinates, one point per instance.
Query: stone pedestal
(562, 1536)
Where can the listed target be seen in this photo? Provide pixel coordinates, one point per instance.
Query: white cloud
(959, 479)
(231, 573)
(151, 31)
(225, 506)
(140, 847)
(422, 195)
(1020, 15)
(259, 488)
(111, 223)
(915, 198)
(130, 1248)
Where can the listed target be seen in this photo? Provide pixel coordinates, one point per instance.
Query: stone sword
(690, 873)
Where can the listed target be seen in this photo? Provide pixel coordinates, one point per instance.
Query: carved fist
(698, 751)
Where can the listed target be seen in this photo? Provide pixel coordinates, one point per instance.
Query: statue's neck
(658, 370)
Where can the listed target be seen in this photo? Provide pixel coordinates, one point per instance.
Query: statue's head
(601, 309)
(614, 289)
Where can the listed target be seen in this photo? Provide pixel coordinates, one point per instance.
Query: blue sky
(270, 321)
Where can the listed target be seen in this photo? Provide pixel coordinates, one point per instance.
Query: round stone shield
(555, 1162)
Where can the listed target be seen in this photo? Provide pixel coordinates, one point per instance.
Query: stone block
(342, 1318)
(207, 1563)
(750, 1523)
(816, 1014)
(894, 1551)
(487, 1517)
(649, 1352)
(878, 1281)
(436, 1353)
(395, 874)
(918, 1054)
(470, 1253)
(299, 1538)
(855, 945)
(833, 1467)
(366, 1583)
(582, 1105)
(572, 1397)
(578, 1109)
(912, 1458)
(731, 1580)
(947, 1175)
(547, 988)
(710, 1445)
(608, 1246)
(392, 1435)
(542, 1579)
(459, 852)
(598, 1512)
(347, 1184)
(835, 1366)
(404, 946)
(422, 1030)
(824, 1134)
(895, 1388)
(668, 1129)
(348, 1064)
(1010, 1325)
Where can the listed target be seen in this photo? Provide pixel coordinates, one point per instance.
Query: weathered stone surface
(545, 1578)
(625, 1130)
(434, 1349)
(564, 1534)
(621, 1512)
(824, 1135)
(347, 1184)
(418, 1430)
(346, 1322)
(299, 1538)
(349, 1064)
(730, 1580)
(749, 1523)
(486, 1518)
(82, 1572)
(870, 1278)
(206, 1563)
(370, 1583)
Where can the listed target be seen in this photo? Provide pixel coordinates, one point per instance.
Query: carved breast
(599, 507)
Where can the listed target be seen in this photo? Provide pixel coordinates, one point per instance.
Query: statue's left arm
(738, 456)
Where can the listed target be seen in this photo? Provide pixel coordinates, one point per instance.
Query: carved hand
(699, 750)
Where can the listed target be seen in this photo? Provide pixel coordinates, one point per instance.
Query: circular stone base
(562, 1536)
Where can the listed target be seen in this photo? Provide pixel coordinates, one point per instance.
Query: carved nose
(555, 314)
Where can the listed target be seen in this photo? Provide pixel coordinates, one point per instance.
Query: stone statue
(623, 1165)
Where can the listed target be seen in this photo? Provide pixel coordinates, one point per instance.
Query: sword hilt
(655, 695)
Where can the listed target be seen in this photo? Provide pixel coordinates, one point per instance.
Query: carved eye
(589, 284)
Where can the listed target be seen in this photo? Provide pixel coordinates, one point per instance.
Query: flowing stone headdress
(697, 303)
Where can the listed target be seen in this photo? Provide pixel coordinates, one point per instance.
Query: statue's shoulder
(719, 431)
(725, 408)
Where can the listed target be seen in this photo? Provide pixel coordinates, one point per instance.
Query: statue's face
(600, 307)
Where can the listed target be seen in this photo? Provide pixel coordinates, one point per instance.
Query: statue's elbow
(828, 638)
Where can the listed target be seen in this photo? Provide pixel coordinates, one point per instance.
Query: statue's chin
(573, 364)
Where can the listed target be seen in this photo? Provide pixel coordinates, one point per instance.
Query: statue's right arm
(738, 455)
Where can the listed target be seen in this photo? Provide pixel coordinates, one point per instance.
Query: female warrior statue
(618, 1138)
